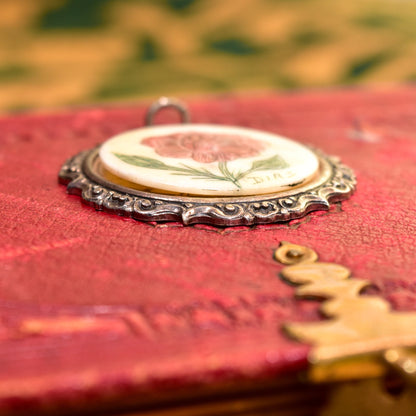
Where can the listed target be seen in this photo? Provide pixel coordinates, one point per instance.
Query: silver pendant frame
(335, 182)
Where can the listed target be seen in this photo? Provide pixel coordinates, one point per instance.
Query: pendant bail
(167, 102)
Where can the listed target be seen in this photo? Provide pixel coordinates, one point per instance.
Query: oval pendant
(208, 160)
(222, 175)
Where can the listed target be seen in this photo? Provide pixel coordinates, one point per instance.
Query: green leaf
(143, 162)
(274, 162)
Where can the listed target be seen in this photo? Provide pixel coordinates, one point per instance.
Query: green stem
(274, 162)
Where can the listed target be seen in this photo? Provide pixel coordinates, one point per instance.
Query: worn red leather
(95, 308)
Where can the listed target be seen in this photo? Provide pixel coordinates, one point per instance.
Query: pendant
(204, 173)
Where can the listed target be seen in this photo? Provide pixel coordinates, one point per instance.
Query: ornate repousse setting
(82, 176)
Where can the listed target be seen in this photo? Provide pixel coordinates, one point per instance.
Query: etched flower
(204, 148)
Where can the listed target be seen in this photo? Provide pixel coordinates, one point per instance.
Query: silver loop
(164, 102)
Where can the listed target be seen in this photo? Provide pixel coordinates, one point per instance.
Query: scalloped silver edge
(259, 209)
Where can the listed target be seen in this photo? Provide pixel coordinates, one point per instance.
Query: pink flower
(203, 147)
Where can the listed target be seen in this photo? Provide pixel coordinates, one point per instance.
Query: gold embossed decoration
(364, 338)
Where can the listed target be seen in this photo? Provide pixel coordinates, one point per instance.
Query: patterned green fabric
(60, 52)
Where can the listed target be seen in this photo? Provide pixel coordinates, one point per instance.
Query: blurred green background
(56, 53)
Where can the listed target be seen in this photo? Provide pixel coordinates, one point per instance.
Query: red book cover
(100, 312)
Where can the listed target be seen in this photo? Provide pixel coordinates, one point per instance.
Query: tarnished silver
(167, 102)
(84, 176)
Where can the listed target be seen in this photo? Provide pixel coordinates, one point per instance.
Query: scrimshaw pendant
(202, 173)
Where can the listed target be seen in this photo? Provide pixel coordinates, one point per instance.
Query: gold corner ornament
(364, 338)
